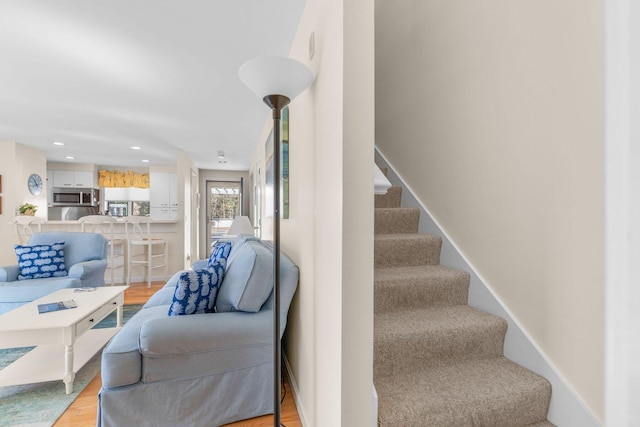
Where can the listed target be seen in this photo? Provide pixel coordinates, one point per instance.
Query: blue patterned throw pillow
(220, 253)
(40, 261)
(196, 291)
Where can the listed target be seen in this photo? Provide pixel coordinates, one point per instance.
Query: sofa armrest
(91, 271)
(9, 273)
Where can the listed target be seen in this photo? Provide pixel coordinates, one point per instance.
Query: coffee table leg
(119, 311)
(69, 376)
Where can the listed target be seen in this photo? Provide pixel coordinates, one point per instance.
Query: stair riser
(409, 252)
(422, 294)
(402, 355)
(396, 220)
(390, 200)
(523, 410)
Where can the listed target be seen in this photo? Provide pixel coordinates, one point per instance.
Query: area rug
(41, 404)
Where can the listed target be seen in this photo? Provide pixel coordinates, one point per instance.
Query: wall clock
(35, 184)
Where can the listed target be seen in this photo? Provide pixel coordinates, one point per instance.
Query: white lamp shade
(240, 225)
(275, 75)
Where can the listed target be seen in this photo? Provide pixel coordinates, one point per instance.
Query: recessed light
(58, 143)
(69, 157)
(136, 148)
(145, 161)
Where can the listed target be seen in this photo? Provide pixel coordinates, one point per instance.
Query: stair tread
(407, 236)
(444, 321)
(489, 392)
(418, 273)
(398, 209)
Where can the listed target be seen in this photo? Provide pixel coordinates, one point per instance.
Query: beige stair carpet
(437, 361)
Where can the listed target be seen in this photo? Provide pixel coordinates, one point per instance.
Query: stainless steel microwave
(75, 196)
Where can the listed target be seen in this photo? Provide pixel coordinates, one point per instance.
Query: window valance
(119, 179)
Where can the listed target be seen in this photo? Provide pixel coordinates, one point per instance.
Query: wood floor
(83, 410)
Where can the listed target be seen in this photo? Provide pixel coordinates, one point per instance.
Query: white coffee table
(64, 339)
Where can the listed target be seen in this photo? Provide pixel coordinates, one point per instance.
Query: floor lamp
(276, 80)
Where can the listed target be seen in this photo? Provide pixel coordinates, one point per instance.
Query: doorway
(224, 203)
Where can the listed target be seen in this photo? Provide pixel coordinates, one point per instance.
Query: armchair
(85, 257)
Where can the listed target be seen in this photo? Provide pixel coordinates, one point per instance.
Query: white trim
(622, 212)
(374, 406)
(567, 409)
(295, 392)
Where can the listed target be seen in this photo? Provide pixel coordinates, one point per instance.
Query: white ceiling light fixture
(58, 143)
(69, 157)
(145, 161)
(135, 147)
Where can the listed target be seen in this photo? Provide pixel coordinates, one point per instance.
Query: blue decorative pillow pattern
(40, 261)
(220, 253)
(196, 291)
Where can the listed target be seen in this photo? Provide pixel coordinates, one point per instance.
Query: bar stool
(103, 224)
(138, 229)
(26, 225)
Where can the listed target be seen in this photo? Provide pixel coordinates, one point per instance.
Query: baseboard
(295, 392)
(567, 409)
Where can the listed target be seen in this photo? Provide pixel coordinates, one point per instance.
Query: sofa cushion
(195, 291)
(220, 254)
(41, 261)
(248, 280)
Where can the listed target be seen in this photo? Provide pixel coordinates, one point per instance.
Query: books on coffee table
(56, 306)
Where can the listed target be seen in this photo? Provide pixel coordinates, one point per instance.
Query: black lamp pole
(276, 103)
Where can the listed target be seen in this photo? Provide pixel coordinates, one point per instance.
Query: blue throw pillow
(40, 261)
(221, 251)
(196, 291)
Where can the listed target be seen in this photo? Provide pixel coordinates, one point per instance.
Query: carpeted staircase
(437, 361)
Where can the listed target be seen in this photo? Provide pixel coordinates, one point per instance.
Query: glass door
(224, 203)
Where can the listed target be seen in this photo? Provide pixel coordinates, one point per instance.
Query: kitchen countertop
(118, 221)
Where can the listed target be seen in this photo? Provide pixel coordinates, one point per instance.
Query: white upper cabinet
(80, 179)
(163, 195)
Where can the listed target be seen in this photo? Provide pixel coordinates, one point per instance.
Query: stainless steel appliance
(75, 197)
(71, 213)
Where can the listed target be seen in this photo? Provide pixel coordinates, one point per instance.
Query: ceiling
(162, 75)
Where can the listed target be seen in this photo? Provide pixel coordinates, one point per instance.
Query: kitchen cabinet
(66, 179)
(163, 195)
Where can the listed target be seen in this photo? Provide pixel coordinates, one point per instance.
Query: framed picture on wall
(284, 182)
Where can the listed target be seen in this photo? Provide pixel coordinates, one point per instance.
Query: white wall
(622, 213)
(17, 163)
(329, 233)
(492, 112)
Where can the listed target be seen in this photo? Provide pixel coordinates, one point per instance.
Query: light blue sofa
(201, 369)
(85, 256)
